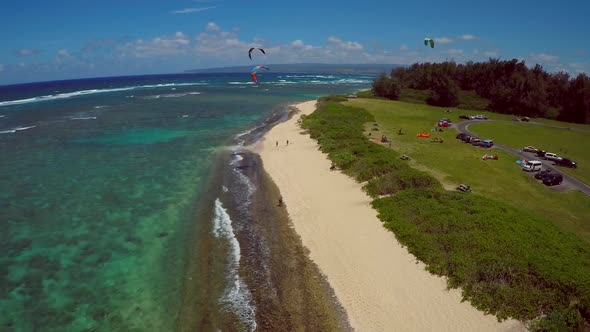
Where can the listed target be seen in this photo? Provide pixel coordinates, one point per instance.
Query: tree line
(509, 85)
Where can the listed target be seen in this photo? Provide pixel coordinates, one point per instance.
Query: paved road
(568, 180)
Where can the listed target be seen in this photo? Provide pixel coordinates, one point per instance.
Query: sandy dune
(378, 282)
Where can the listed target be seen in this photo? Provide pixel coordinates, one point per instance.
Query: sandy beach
(380, 285)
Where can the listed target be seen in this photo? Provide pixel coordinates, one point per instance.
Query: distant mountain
(311, 68)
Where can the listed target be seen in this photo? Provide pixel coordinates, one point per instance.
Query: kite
(252, 49)
(254, 71)
(429, 41)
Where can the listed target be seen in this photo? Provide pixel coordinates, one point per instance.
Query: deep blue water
(99, 180)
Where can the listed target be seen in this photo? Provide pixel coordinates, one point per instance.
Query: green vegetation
(570, 144)
(509, 260)
(455, 162)
(468, 100)
(505, 262)
(510, 86)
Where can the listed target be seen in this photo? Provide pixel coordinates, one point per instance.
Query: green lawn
(563, 124)
(467, 99)
(574, 145)
(454, 162)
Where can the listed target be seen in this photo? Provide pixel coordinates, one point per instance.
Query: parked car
(552, 156)
(478, 117)
(542, 174)
(529, 148)
(466, 117)
(460, 135)
(464, 187)
(525, 119)
(443, 124)
(566, 163)
(445, 120)
(552, 179)
(486, 143)
(532, 166)
(466, 138)
(541, 153)
(474, 139)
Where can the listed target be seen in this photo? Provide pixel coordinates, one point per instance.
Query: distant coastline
(310, 68)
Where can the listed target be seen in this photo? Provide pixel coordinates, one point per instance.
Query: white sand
(379, 284)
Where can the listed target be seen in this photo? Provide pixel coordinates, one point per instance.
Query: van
(487, 143)
(532, 166)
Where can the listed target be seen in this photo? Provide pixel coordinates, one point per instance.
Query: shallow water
(100, 184)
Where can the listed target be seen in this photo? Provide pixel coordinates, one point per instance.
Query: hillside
(311, 68)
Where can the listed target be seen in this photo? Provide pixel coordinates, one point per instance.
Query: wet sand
(380, 285)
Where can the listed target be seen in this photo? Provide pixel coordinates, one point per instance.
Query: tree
(445, 91)
(577, 107)
(380, 85)
(393, 90)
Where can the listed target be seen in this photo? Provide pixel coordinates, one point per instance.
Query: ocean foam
(237, 158)
(83, 118)
(89, 92)
(236, 296)
(171, 95)
(24, 128)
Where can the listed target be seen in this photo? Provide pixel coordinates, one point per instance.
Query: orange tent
(425, 135)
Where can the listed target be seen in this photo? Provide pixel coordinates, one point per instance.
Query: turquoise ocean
(108, 188)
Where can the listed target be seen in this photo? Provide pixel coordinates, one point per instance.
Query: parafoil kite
(254, 71)
(252, 49)
(429, 41)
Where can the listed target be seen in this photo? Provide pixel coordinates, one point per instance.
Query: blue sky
(49, 40)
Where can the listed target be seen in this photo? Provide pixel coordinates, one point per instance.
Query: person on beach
(280, 200)
(277, 144)
(287, 142)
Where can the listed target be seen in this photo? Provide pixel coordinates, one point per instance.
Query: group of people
(278, 143)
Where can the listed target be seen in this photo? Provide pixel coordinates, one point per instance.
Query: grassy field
(467, 99)
(563, 124)
(574, 145)
(510, 257)
(454, 162)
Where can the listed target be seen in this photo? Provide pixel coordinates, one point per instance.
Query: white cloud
(443, 40)
(345, 46)
(455, 51)
(26, 52)
(212, 27)
(542, 57)
(160, 46)
(576, 65)
(467, 37)
(1, 67)
(297, 43)
(64, 53)
(403, 48)
(191, 10)
(493, 53)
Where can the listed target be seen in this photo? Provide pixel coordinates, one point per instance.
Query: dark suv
(542, 174)
(552, 179)
(460, 135)
(566, 162)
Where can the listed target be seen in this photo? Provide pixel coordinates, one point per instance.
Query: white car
(552, 156)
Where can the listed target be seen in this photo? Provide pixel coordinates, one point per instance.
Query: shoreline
(378, 283)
